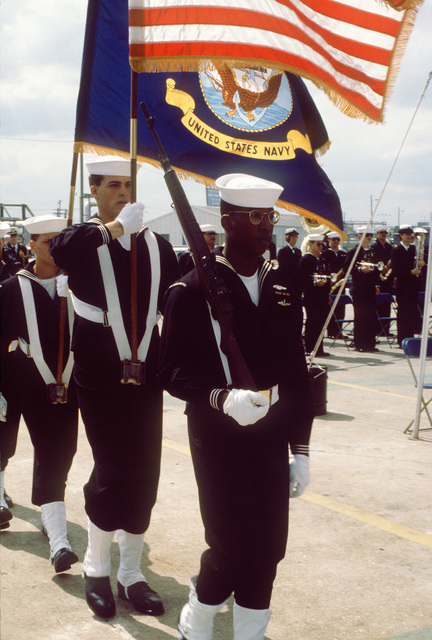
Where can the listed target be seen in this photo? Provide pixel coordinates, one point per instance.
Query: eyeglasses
(319, 244)
(383, 232)
(369, 235)
(256, 216)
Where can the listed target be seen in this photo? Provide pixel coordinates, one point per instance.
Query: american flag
(351, 49)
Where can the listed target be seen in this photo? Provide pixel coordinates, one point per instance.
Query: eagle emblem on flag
(250, 98)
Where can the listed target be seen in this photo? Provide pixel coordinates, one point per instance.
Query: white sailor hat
(315, 237)
(109, 166)
(48, 223)
(381, 227)
(364, 229)
(406, 228)
(243, 190)
(4, 228)
(334, 234)
(208, 228)
(291, 230)
(13, 231)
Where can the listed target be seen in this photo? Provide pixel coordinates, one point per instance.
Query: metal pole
(424, 340)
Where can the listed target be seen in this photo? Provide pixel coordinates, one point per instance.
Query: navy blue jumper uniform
(407, 290)
(242, 472)
(53, 427)
(316, 299)
(123, 422)
(364, 299)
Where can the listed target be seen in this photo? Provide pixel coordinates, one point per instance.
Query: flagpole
(133, 160)
(61, 396)
(424, 341)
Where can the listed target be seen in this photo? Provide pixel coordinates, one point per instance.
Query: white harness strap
(34, 349)
(224, 359)
(115, 316)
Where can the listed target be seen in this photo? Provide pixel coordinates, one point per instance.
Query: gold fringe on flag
(84, 147)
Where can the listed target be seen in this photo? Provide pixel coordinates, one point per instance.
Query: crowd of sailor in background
(385, 279)
(384, 282)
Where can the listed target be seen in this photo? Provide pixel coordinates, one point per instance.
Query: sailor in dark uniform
(120, 402)
(314, 274)
(335, 257)
(406, 270)
(288, 259)
(9, 432)
(365, 278)
(30, 318)
(383, 251)
(289, 256)
(239, 439)
(6, 269)
(185, 259)
(16, 252)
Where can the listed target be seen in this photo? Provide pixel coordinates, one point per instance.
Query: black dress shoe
(63, 560)
(5, 517)
(323, 354)
(99, 596)
(8, 500)
(142, 597)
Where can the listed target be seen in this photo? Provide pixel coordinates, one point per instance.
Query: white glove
(131, 217)
(299, 475)
(3, 408)
(246, 407)
(62, 286)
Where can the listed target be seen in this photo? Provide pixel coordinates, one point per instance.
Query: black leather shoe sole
(144, 599)
(63, 560)
(100, 597)
(5, 517)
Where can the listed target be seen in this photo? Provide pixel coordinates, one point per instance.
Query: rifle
(215, 290)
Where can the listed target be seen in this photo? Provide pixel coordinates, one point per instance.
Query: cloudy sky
(41, 48)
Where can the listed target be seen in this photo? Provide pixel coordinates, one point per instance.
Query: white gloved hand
(62, 286)
(246, 407)
(299, 475)
(131, 217)
(3, 408)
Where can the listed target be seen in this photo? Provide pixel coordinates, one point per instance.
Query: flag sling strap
(35, 347)
(115, 316)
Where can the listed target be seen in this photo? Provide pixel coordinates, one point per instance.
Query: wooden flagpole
(61, 396)
(133, 160)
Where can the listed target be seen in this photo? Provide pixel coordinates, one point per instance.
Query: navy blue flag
(226, 118)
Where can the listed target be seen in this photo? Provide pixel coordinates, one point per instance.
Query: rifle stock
(215, 290)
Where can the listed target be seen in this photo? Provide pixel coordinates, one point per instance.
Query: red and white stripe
(344, 46)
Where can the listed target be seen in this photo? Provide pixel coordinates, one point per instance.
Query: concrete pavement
(359, 552)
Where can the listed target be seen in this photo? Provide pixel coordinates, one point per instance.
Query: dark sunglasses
(256, 216)
(369, 235)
